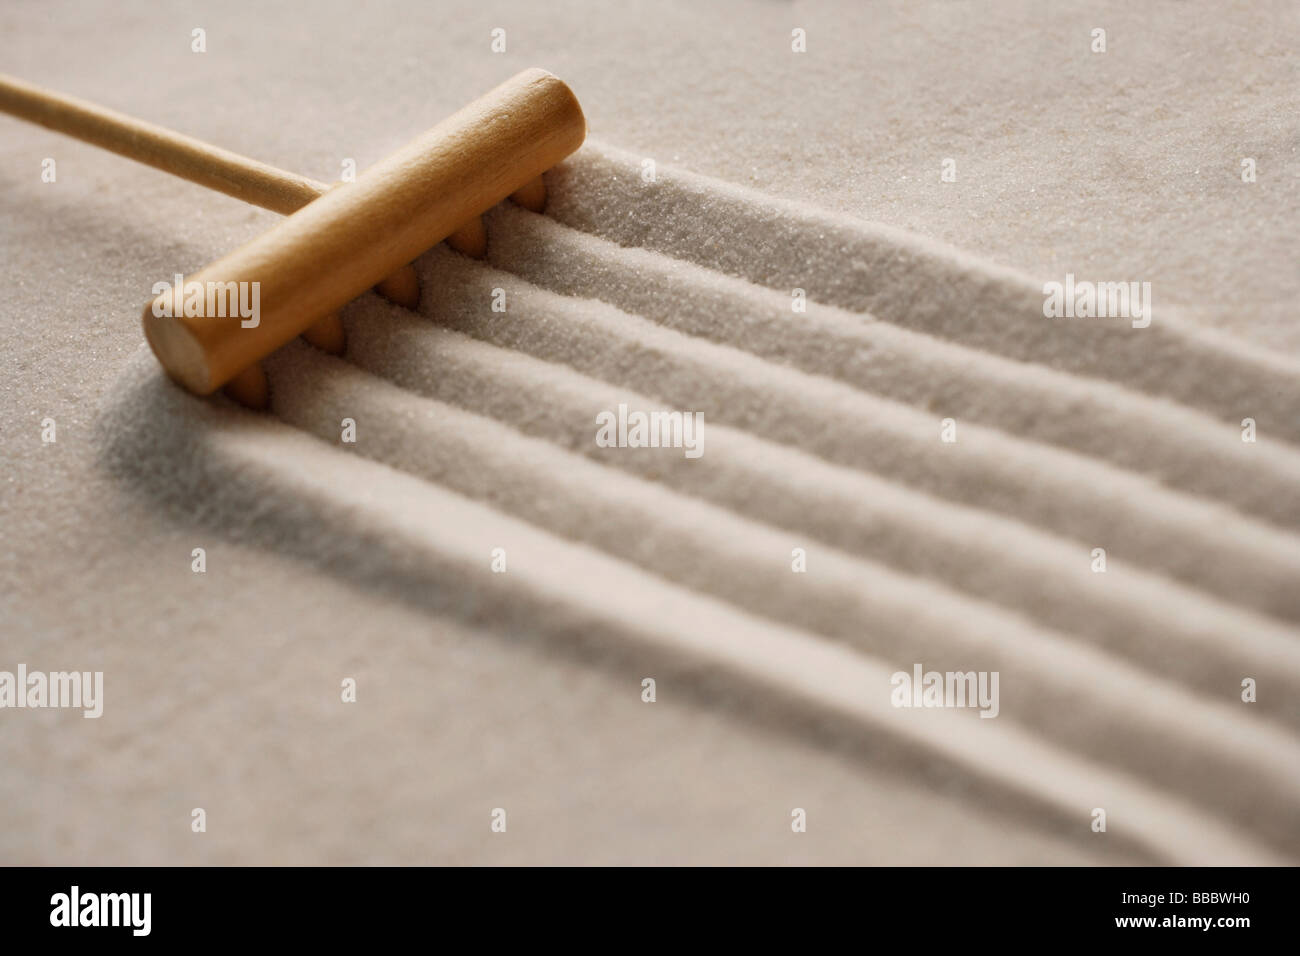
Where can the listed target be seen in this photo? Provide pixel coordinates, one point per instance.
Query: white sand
(475, 431)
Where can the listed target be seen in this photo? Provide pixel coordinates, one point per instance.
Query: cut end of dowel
(536, 74)
(178, 351)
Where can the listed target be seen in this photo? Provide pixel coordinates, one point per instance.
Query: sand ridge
(476, 430)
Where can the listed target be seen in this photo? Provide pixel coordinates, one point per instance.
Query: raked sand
(476, 431)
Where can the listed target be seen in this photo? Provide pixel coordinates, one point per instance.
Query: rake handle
(164, 149)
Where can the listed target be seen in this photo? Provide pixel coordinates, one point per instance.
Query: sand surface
(475, 431)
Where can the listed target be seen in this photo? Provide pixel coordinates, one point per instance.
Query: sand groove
(918, 284)
(1101, 506)
(1181, 448)
(476, 430)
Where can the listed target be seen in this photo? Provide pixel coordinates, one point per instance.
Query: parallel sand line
(385, 523)
(1179, 447)
(1129, 611)
(1131, 516)
(916, 283)
(1180, 740)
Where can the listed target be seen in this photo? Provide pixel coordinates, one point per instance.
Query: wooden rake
(336, 241)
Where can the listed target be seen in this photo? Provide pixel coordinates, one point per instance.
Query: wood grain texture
(355, 235)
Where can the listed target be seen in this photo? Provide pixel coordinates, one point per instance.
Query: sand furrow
(476, 428)
(1179, 447)
(264, 480)
(918, 284)
(1188, 736)
(1130, 516)
(1167, 626)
